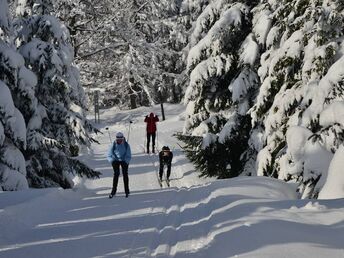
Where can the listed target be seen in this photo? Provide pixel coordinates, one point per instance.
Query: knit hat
(165, 148)
(119, 135)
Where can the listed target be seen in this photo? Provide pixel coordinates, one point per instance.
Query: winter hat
(119, 135)
(151, 114)
(165, 148)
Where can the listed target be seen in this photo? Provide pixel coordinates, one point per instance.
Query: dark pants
(161, 170)
(116, 165)
(149, 135)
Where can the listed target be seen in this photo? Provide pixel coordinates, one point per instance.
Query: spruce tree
(301, 87)
(13, 79)
(221, 63)
(60, 126)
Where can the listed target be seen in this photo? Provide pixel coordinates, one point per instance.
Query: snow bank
(334, 185)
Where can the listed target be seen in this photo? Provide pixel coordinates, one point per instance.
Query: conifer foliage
(60, 125)
(280, 116)
(302, 89)
(16, 86)
(221, 63)
(42, 119)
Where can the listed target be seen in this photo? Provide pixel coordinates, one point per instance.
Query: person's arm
(146, 119)
(127, 155)
(110, 154)
(156, 119)
(170, 157)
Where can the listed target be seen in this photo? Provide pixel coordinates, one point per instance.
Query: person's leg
(115, 166)
(153, 141)
(125, 177)
(161, 170)
(148, 141)
(168, 171)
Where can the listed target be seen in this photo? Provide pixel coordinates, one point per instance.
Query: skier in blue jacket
(120, 155)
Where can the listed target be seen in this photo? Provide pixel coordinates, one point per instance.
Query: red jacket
(151, 123)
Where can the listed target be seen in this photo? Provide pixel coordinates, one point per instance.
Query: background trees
(124, 49)
(262, 80)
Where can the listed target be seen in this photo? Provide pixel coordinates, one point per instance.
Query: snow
(318, 92)
(211, 43)
(249, 51)
(3, 16)
(18, 127)
(261, 25)
(334, 187)
(240, 217)
(14, 158)
(241, 85)
(2, 134)
(332, 114)
(6, 102)
(12, 180)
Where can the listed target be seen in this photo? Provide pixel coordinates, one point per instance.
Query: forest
(262, 82)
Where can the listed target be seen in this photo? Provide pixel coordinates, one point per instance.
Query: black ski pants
(149, 136)
(161, 169)
(116, 165)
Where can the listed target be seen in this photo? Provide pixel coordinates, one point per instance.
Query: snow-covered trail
(143, 168)
(241, 217)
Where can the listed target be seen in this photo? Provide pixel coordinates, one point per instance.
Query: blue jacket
(119, 152)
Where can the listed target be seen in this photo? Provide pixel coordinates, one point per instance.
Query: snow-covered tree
(58, 125)
(222, 65)
(295, 129)
(125, 48)
(13, 79)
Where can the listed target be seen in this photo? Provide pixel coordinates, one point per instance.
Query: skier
(165, 158)
(151, 130)
(120, 155)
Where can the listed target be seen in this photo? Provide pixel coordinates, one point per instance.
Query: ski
(168, 182)
(160, 182)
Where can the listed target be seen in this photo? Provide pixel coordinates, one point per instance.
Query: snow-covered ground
(241, 217)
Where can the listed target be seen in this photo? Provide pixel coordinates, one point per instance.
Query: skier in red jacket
(151, 130)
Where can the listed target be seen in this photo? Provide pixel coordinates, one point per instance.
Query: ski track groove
(155, 239)
(171, 216)
(150, 245)
(166, 223)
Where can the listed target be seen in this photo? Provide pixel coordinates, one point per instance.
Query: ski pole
(130, 122)
(157, 139)
(107, 129)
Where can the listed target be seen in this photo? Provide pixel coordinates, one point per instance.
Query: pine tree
(59, 125)
(222, 66)
(12, 124)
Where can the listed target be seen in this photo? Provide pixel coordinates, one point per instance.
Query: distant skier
(151, 130)
(120, 155)
(165, 158)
